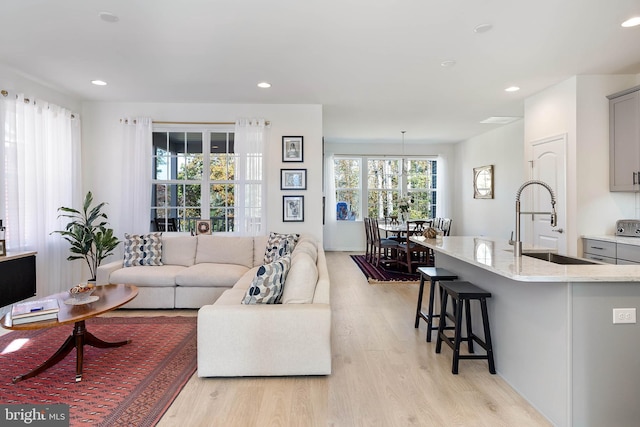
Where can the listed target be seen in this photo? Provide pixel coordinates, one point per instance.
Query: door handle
(559, 230)
(635, 174)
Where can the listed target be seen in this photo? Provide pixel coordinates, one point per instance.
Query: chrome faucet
(517, 244)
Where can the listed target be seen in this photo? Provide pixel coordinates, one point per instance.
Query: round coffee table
(110, 298)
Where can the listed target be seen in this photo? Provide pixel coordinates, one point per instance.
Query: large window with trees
(383, 183)
(194, 177)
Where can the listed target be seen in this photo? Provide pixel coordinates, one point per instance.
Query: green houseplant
(88, 234)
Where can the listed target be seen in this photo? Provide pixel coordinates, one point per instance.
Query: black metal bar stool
(434, 274)
(461, 294)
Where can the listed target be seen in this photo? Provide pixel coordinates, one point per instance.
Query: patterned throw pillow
(142, 249)
(273, 244)
(266, 287)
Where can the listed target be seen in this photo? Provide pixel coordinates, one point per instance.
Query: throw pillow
(142, 249)
(266, 286)
(274, 242)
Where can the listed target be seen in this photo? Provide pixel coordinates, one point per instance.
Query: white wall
(502, 148)
(14, 81)
(349, 235)
(578, 107)
(101, 151)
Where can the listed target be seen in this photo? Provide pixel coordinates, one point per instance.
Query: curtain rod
(26, 100)
(200, 123)
(267, 123)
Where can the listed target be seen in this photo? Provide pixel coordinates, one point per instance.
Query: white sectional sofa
(213, 273)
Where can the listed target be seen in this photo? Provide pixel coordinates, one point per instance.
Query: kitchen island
(552, 327)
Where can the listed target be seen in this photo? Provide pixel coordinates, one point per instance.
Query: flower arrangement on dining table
(404, 203)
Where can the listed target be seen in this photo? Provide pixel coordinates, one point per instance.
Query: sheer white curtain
(330, 193)
(249, 142)
(41, 173)
(442, 194)
(135, 190)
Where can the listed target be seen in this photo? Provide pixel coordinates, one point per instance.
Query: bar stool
(434, 274)
(461, 294)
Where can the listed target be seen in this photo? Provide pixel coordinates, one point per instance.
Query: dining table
(401, 228)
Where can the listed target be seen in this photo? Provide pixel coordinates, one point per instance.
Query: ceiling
(375, 66)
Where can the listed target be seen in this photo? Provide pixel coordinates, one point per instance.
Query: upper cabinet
(624, 140)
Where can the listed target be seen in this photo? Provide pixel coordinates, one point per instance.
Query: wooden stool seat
(434, 274)
(461, 294)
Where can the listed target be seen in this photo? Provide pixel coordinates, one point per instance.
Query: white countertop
(496, 255)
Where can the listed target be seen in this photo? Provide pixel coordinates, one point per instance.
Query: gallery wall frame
(292, 208)
(293, 179)
(292, 149)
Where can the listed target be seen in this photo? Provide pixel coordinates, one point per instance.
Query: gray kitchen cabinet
(628, 254)
(599, 250)
(624, 140)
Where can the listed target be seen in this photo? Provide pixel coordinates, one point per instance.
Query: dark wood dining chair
(411, 254)
(384, 249)
(368, 254)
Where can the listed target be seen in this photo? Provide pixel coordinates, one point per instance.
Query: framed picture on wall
(292, 149)
(483, 182)
(203, 226)
(292, 208)
(293, 179)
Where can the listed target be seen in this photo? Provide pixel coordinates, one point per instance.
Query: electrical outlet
(624, 315)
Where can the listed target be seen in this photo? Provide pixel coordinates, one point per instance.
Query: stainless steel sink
(559, 259)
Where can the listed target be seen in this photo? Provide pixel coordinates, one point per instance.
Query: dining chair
(367, 231)
(445, 226)
(388, 247)
(411, 254)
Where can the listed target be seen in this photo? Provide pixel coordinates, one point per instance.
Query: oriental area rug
(132, 385)
(381, 274)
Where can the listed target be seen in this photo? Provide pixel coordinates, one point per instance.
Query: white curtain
(330, 219)
(249, 142)
(41, 172)
(442, 194)
(135, 191)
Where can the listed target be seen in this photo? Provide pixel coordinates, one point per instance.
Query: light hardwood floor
(384, 374)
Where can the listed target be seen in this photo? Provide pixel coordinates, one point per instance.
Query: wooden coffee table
(110, 298)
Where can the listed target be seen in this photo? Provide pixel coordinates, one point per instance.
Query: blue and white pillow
(266, 287)
(142, 249)
(274, 244)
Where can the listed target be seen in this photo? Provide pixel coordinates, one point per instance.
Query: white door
(548, 165)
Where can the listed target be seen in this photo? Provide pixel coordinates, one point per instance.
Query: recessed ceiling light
(264, 85)
(499, 120)
(482, 28)
(632, 22)
(98, 82)
(108, 17)
(448, 63)
(512, 89)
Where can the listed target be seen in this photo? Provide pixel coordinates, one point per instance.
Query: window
(348, 188)
(194, 177)
(383, 182)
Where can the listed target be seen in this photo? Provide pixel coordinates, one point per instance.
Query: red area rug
(382, 275)
(132, 385)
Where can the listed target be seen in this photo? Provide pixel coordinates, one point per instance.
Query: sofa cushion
(300, 285)
(259, 245)
(307, 247)
(245, 281)
(274, 242)
(179, 250)
(142, 249)
(211, 274)
(266, 287)
(225, 250)
(163, 275)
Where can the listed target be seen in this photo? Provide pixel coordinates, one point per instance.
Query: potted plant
(88, 234)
